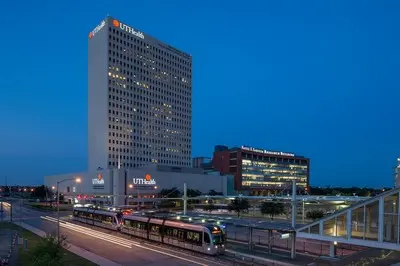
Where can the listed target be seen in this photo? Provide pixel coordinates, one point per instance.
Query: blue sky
(318, 78)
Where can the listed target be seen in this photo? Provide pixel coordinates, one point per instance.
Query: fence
(313, 247)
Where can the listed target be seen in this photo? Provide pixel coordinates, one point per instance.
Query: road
(118, 249)
(131, 251)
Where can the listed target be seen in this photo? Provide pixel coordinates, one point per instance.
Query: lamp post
(77, 180)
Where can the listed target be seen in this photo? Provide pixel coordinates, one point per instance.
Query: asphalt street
(124, 255)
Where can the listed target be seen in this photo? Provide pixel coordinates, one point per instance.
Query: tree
(191, 193)
(272, 208)
(42, 192)
(48, 251)
(209, 207)
(171, 193)
(212, 192)
(239, 205)
(315, 214)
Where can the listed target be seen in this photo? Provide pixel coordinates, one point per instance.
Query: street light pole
(58, 213)
(77, 180)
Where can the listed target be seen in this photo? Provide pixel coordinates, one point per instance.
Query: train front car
(217, 241)
(105, 219)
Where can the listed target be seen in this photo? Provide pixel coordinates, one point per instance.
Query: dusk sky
(317, 78)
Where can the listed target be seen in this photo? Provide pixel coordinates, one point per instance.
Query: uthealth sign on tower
(126, 28)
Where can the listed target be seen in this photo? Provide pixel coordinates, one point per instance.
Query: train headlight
(208, 249)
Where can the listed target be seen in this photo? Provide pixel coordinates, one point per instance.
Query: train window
(193, 237)
(76, 213)
(207, 238)
(142, 226)
(171, 232)
(181, 235)
(155, 229)
(127, 223)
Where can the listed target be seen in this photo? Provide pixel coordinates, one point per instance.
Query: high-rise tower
(139, 99)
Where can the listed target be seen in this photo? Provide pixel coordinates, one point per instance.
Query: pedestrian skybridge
(373, 223)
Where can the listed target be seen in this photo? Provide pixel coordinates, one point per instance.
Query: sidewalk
(74, 249)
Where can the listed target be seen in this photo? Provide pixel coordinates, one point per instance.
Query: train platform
(277, 257)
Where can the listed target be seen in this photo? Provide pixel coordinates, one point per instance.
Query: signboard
(128, 29)
(267, 152)
(146, 182)
(97, 29)
(98, 183)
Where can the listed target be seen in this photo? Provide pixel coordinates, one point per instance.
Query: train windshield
(218, 236)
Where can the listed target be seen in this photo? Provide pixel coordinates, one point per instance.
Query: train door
(206, 241)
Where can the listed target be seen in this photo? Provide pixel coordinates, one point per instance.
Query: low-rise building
(125, 186)
(260, 171)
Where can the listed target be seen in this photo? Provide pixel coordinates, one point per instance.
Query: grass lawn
(69, 258)
(46, 206)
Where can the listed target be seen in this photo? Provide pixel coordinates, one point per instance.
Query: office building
(139, 99)
(260, 171)
(200, 162)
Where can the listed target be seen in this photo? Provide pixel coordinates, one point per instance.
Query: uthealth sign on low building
(144, 181)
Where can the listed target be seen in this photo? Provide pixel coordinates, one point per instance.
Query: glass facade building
(261, 171)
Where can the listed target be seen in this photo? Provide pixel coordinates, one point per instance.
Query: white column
(184, 199)
(364, 220)
(380, 219)
(294, 212)
(348, 224)
(398, 219)
(293, 245)
(332, 250)
(321, 228)
(250, 238)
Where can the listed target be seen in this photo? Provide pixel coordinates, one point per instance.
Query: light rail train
(208, 239)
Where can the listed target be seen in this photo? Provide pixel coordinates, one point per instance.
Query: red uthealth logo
(148, 177)
(115, 23)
